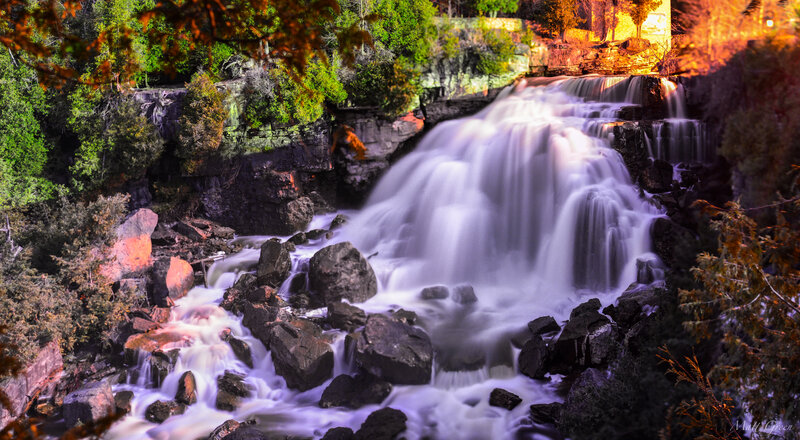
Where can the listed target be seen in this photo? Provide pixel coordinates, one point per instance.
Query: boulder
(394, 351)
(122, 402)
(533, 359)
(464, 294)
(190, 231)
(572, 350)
(171, 278)
(543, 325)
(546, 413)
(300, 355)
(187, 389)
(337, 221)
(241, 350)
(221, 431)
(339, 433)
(298, 239)
(132, 248)
(37, 374)
(383, 424)
(340, 272)
(89, 404)
(657, 178)
(504, 399)
(139, 325)
(230, 389)
(161, 364)
(405, 316)
(316, 234)
(675, 245)
(150, 342)
(294, 216)
(251, 433)
(355, 392)
(345, 317)
(161, 410)
(435, 292)
(274, 264)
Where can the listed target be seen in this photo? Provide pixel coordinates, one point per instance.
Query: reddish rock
(190, 231)
(140, 325)
(150, 342)
(171, 278)
(131, 251)
(37, 375)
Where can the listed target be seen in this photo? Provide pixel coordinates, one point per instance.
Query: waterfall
(524, 201)
(678, 139)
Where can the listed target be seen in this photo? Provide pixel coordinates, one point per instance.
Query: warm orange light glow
(770, 23)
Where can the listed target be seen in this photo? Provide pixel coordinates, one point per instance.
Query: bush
(406, 28)
(390, 85)
(492, 7)
(497, 54)
(201, 122)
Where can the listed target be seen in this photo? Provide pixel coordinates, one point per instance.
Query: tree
(201, 121)
(406, 28)
(750, 292)
(557, 16)
(639, 10)
(492, 7)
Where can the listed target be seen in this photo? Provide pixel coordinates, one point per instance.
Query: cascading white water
(679, 139)
(517, 201)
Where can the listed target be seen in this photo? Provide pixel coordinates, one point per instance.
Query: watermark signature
(770, 428)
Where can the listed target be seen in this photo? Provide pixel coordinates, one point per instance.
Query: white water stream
(517, 201)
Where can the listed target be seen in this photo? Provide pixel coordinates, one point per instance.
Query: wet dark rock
(657, 178)
(88, 404)
(249, 433)
(464, 294)
(260, 318)
(649, 270)
(264, 295)
(316, 234)
(533, 359)
(274, 264)
(230, 389)
(170, 277)
(161, 410)
(543, 325)
(298, 239)
(164, 236)
(394, 351)
(187, 389)
(383, 424)
(355, 392)
(339, 433)
(675, 245)
(122, 402)
(224, 429)
(161, 364)
(301, 356)
(405, 316)
(435, 292)
(139, 325)
(234, 296)
(504, 399)
(190, 231)
(294, 216)
(298, 283)
(346, 317)
(574, 350)
(340, 272)
(338, 221)
(241, 350)
(546, 413)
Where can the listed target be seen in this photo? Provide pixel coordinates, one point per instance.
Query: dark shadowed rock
(573, 350)
(340, 272)
(394, 351)
(260, 318)
(298, 239)
(139, 325)
(533, 359)
(300, 355)
(89, 403)
(339, 433)
(161, 364)
(294, 216)
(160, 410)
(405, 316)
(504, 399)
(235, 295)
(345, 317)
(543, 325)
(675, 245)
(316, 234)
(338, 221)
(230, 389)
(122, 402)
(187, 389)
(464, 294)
(355, 392)
(657, 178)
(224, 429)
(249, 433)
(383, 424)
(170, 277)
(274, 264)
(435, 292)
(241, 350)
(546, 413)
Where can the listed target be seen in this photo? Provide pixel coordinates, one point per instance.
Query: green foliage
(391, 86)
(201, 122)
(639, 10)
(23, 149)
(556, 16)
(749, 293)
(494, 57)
(492, 7)
(406, 28)
(116, 140)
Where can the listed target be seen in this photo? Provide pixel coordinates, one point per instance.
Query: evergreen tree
(639, 10)
(492, 7)
(557, 16)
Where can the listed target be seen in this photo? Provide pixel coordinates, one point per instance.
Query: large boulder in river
(340, 272)
(394, 351)
(533, 358)
(300, 355)
(131, 250)
(89, 404)
(585, 340)
(161, 410)
(187, 389)
(345, 317)
(355, 392)
(274, 264)
(171, 277)
(383, 424)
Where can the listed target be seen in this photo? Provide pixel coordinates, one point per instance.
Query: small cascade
(678, 139)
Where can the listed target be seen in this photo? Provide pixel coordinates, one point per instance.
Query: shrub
(556, 16)
(492, 7)
(406, 28)
(201, 122)
(497, 54)
(391, 86)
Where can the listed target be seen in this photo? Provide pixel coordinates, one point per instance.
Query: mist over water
(524, 201)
